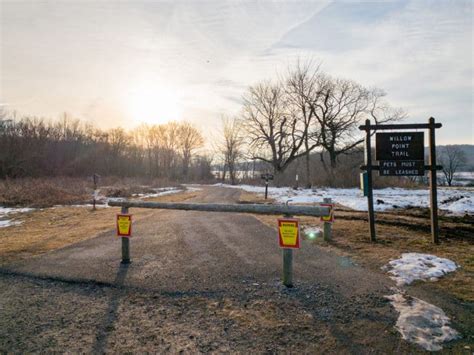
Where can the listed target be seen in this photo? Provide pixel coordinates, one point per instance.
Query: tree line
(32, 146)
(305, 111)
(303, 122)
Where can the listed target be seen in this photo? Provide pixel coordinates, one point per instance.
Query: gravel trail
(198, 282)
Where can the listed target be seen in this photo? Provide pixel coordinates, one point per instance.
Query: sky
(123, 63)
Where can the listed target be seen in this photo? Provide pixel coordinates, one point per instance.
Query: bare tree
(452, 158)
(302, 89)
(273, 126)
(339, 106)
(231, 146)
(32, 146)
(189, 139)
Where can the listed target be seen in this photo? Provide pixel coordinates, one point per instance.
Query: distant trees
(307, 110)
(230, 147)
(31, 146)
(452, 158)
(272, 124)
(189, 139)
(301, 86)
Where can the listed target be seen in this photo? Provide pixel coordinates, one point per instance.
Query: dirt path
(198, 282)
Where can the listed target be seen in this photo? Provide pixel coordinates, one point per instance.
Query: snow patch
(159, 192)
(8, 222)
(455, 201)
(422, 323)
(415, 266)
(7, 211)
(193, 189)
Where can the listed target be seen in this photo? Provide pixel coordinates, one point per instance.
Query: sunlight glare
(153, 104)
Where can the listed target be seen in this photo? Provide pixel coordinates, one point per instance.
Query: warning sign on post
(289, 233)
(329, 218)
(124, 225)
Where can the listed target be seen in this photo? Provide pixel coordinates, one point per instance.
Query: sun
(154, 104)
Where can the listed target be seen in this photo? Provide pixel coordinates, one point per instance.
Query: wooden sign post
(401, 153)
(266, 177)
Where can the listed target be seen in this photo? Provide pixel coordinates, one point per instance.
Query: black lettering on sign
(395, 146)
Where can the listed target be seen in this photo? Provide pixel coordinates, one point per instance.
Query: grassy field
(52, 191)
(397, 232)
(48, 229)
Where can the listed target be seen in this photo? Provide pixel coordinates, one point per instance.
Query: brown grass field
(397, 232)
(47, 229)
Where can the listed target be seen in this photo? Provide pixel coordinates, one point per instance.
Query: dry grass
(43, 192)
(52, 191)
(250, 197)
(402, 235)
(351, 238)
(53, 228)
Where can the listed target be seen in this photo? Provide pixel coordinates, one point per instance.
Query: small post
(288, 267)
(433, 184)
(327, 225)
(94, 178)
(125, 243)
(266, 188)
(288, 263)
(370, 195)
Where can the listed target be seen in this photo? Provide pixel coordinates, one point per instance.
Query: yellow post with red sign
(124, 225)
(289, 239)
(124, 230)
(329, 219)
(289, 233)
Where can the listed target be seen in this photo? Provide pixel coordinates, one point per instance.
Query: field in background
(52, 191)
(43, 230)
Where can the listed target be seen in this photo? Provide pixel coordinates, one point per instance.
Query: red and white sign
(124, 225)
(289, 233)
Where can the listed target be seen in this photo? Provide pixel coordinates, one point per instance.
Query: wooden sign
(124, 225)
(289, 233)
(402, 154)
(400, 146)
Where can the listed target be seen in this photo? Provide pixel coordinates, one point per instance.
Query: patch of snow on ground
(192, 189)
(415, 266)
(8, 222)
(159, 192)
(422, 323)
(456, 201)
(7, 211)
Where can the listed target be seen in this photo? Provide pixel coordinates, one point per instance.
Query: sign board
(402, 168)
(267, 176)
(124, 225)
(330, 217)
(400, 146)
(289, 233)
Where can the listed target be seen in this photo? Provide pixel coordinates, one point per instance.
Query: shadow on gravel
(111, 313)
